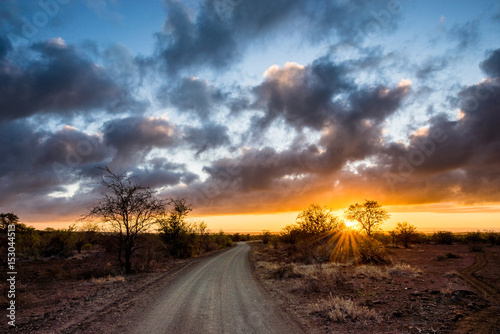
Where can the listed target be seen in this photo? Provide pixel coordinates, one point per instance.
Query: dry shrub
(97, 266)
(267, 266)
(371, 251)
(109, 279)
(312, 251)
(476, 248)
(371, 272)
(283, 271)
(338, 309)
(305, 270)
(403, 269)
(279, 271)
(150, 249)
(319, 279)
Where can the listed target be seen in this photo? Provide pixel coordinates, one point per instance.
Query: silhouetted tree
(406, 233)
(369, 215)
(317, 219)
(129, 209)
(7, 219)
(176, 231)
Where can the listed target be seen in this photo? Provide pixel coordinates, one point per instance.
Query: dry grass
(267, 266)
(278, 271)
(338, 309)
(318, 278)
(109, 279)
(403, 269)
(373, 272)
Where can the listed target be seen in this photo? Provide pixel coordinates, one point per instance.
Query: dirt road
(219, 295)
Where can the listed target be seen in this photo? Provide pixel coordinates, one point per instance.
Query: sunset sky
(252, 110)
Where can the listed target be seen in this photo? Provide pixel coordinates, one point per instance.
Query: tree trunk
(128, 253)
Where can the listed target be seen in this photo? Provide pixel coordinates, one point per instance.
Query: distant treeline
(190, 241)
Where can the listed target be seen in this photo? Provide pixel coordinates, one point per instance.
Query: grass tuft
(109, 279)
(372, 272)
(403, 269)
(338, 309)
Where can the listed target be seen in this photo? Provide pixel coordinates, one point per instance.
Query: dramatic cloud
(301, 95)
(134, 137)
(194, 95)
(5, 47)
(491, 65)
(58, 81)
(450, 159)
(159, 173)
(211, 135)
(321, 96)
(220, 31)
(39, 163)
(462, 155)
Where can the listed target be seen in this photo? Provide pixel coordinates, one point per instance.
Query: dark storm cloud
(159, 172)
(72, 147)
(463, 154)
(59, 80)
(5, 47)
(39, 163)
(134, 137)
(491, 65)
(322, 94)
(301, 95)
(186, 43)
(210, 135)
(257, 177)
(193, 95)
(220, 31)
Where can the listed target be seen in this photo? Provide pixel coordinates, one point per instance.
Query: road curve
(219, 295)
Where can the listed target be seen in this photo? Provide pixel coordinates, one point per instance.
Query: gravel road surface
(218, 295)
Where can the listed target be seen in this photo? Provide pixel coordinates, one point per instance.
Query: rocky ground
(61, 296)
(425, 289)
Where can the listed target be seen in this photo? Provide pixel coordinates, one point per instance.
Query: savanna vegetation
(129, 229)
(345, 275)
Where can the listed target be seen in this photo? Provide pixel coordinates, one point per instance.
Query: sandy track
(218, 295)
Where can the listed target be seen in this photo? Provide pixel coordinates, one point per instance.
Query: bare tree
(129, 209)
(369, 215)
(406, 233)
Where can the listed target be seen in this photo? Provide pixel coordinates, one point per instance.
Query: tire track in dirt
(468, 275)
(486, 321)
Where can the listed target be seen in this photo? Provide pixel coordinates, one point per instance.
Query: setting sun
(350, 224)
